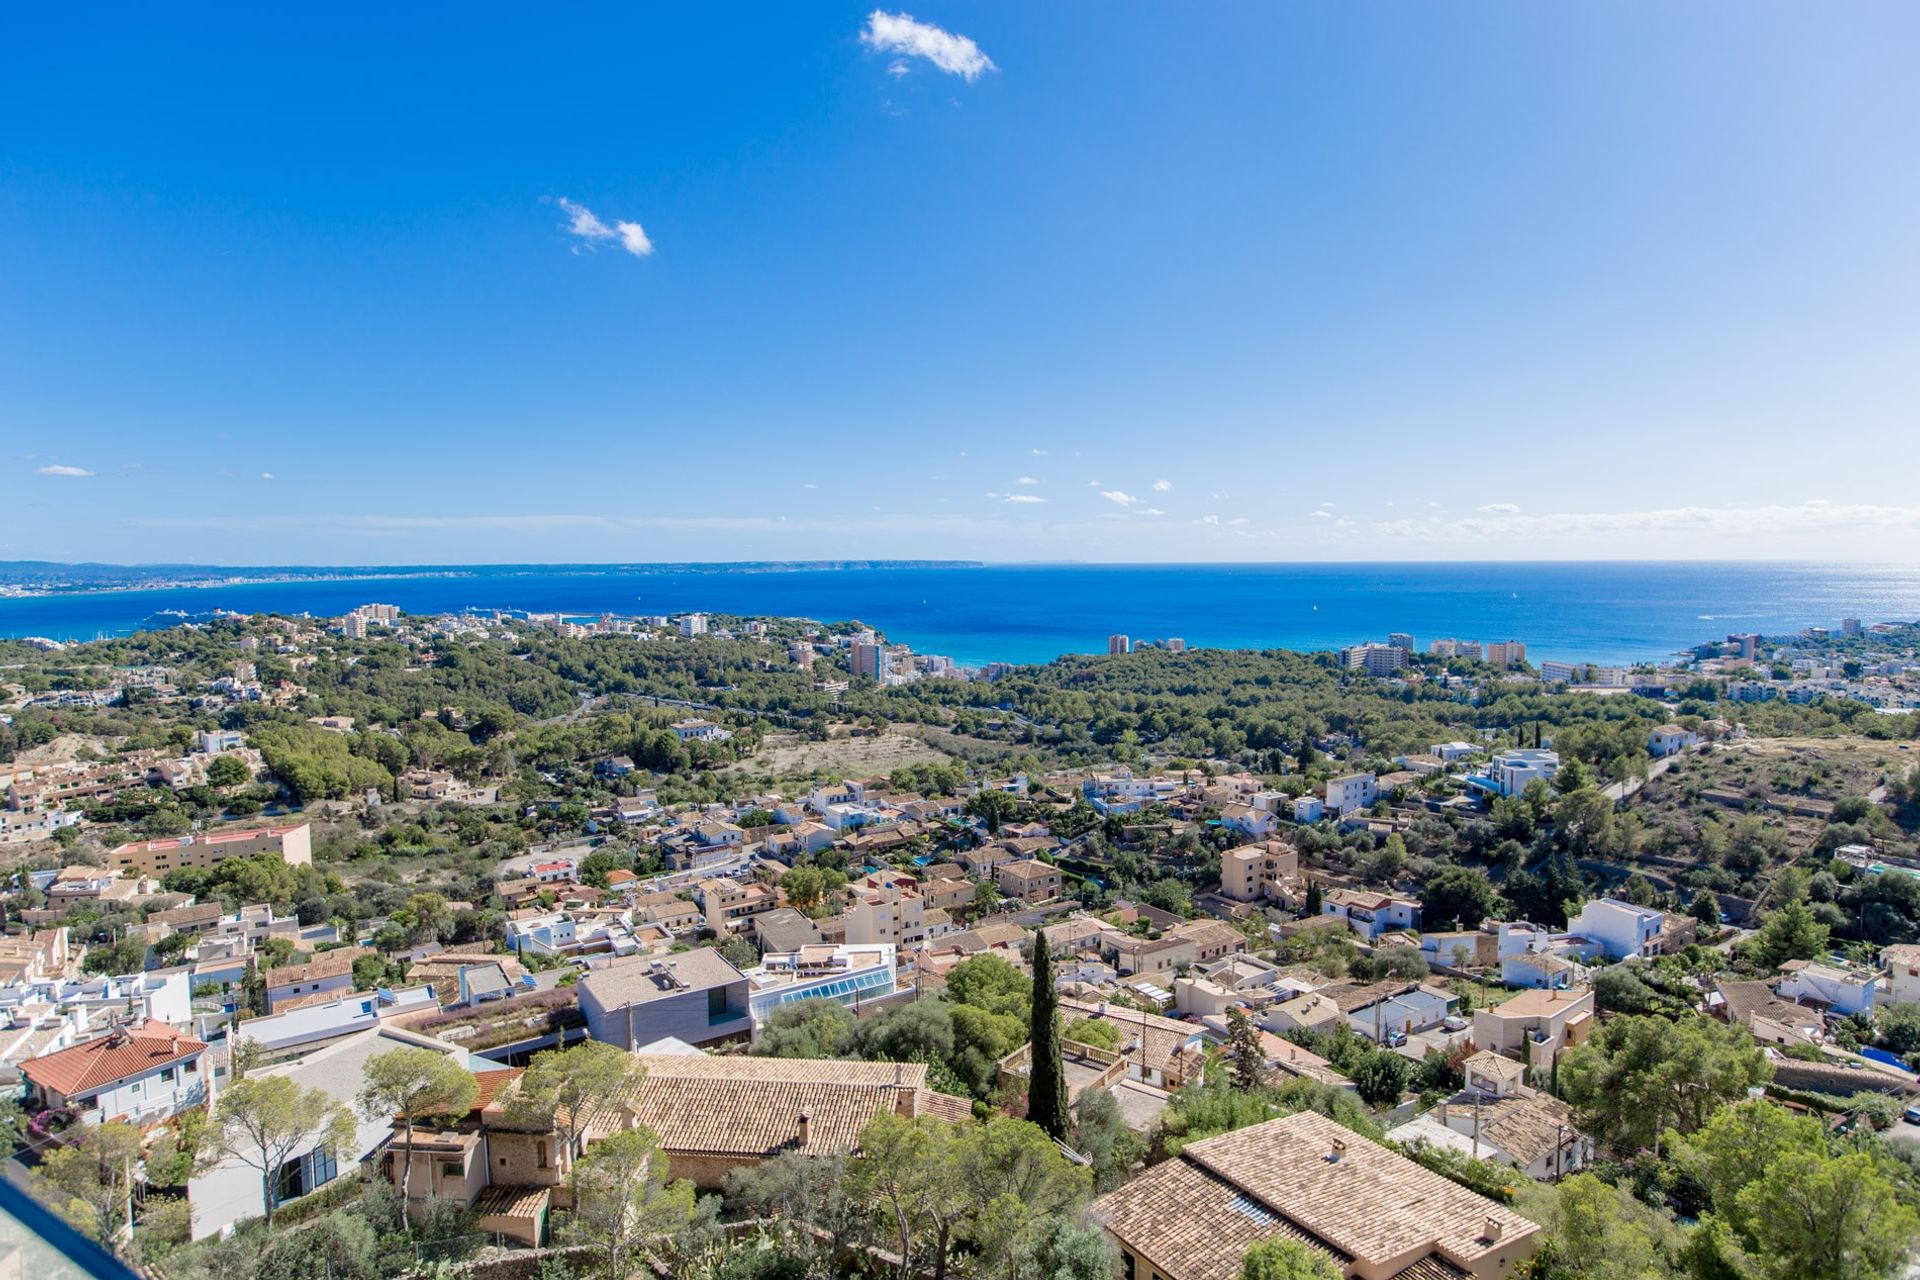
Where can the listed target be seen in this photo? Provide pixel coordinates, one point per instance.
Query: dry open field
(843, 755)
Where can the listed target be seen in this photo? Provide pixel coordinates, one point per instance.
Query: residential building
(1373, 1213)
(313, 1024)
(1843, 990)
(1534, 1026)
(1902, 963)
(694, 996)
(694, 729)
(329, 972)
(1131, 955)
(1030, 880)
(1621, 928)
(143, 1072)
(1309, 1012)
(1355, 791)
(1401, 640)
(870, 659)
(1451, 752)
(1669, 739)
(893, 914)
(849, 973)
(1506, 653)
(1497, 1117)
(1117, 644)
(1374, 659)
(1308, 810)
(1371, 913)
(1510, 772)
(231, 1190)
(157, 857)
(1254, 871)
(1162, 1052)
(693, 624)
(729, 905)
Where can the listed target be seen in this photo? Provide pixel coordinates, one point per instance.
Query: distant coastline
(23, 578)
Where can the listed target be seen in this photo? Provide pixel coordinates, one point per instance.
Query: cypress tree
(1046, 1078)
(1316, 899)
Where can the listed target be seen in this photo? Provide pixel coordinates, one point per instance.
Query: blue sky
(1093, 281)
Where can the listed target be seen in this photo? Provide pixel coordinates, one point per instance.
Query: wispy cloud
(1500, 509)
(1026, 480)
(1323, 515)
(1689, 523)
(266, 475)
(60, 469)
(1023, 499)
(1161, 486)
(1118, 497)
(899, 33)
(584, 224)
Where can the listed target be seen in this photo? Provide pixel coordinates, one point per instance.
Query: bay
(1595, 612)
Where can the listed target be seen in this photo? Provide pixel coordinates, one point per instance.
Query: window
(166, 1075)
(541, 1149)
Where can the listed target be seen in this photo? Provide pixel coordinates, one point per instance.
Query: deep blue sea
(1597, 612)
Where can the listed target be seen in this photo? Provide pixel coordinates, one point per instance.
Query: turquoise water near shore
(1597, 612)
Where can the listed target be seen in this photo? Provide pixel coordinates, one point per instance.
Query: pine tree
(1046, 1078)
(1246, 1059)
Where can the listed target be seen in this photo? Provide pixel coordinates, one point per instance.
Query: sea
(1607, 613)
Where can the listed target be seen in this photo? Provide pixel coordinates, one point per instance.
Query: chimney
(1336, 1149)
(806, 1126)
(1492, 1229)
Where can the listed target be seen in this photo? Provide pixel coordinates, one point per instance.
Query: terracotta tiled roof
(327, 964)
(752, 1106)
(87, 1067)
(501, 1201)
(1190, 1224)
(1370, 1202)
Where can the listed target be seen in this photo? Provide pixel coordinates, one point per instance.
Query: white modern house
(233, 1190)
(1355, 791)
(1620, 928)
(1510, 772)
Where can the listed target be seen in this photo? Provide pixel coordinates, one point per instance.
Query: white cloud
(1674, 525)
(1161, 486)
(1208, 520)
(633, 239)
(1323, 515)
(1326, 504)
(1039, 453)
(899, 33)
(1500, 509)
(809, 485)
(1025, 499)
(266, 475)
(1150, 511)
(58, 469)
(1240, 520)
(1118, 498)
(898, 67)
(1026, 480)
(582, 222)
